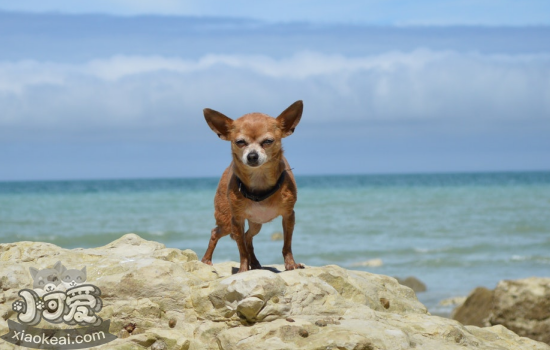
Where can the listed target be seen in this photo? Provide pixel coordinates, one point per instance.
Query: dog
(258, 185)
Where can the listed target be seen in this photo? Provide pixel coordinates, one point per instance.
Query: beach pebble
(326, 321)
(159, 345)
(250, 307)
(130, 327)
(321, 323)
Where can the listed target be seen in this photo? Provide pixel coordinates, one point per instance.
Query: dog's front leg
(288, 229)
(237, 228)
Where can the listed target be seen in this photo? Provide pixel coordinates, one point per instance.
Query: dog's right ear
(33, 271)
(219, 123)
(289, 119)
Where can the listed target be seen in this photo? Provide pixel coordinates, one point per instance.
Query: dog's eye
(267, 142)
(240, 143)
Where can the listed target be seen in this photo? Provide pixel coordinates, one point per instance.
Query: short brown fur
(258, 162)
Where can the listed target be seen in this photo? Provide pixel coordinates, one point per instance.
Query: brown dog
(258, 185)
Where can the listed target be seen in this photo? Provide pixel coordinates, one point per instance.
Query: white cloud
(15, 76)
(155, 92)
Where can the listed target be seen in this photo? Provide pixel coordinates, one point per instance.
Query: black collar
(264, 195)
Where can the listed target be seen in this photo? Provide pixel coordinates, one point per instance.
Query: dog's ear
(219, 123)
(289, 119)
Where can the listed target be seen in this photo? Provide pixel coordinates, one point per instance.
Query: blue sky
(116, 89)
(387, 12)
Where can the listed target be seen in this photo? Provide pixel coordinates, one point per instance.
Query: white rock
(328, 307)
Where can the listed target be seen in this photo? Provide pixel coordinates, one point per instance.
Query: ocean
(454, 232)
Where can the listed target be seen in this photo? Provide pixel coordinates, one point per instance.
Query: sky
(381, 12)
(115, 89)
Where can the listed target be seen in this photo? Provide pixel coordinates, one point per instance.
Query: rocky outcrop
(475, 308)
(522, 306)
(164, 298)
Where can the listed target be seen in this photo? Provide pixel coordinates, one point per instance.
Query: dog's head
(255, 137)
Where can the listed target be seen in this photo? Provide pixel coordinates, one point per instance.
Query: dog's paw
(294, 266)
(207, 262)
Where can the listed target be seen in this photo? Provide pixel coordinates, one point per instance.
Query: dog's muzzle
(252, 158)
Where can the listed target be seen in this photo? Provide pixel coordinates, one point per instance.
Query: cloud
(150, 96)
(303, 65)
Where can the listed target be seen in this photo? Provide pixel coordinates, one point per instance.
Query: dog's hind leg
(215, 236)
(253, 229)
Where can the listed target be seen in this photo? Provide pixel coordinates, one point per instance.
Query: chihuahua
(258, 185)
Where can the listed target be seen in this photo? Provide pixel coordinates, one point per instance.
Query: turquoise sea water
(452, 231)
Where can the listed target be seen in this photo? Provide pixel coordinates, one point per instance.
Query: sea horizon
(184, 177)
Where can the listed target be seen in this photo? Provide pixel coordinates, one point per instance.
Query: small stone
(303, 333)
(385, 302)
(130, 327)
(159, 345)
(321, 323)
(290, 319)
(172, 323)
(250, 307)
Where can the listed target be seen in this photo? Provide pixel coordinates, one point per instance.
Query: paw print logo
(39, 305)
(18, 306)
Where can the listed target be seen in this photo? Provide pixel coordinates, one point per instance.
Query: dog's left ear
(289, 119)
(219, 123)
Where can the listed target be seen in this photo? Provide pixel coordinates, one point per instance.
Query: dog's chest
(261, 213)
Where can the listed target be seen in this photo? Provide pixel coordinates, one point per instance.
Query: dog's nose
(252, 157)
